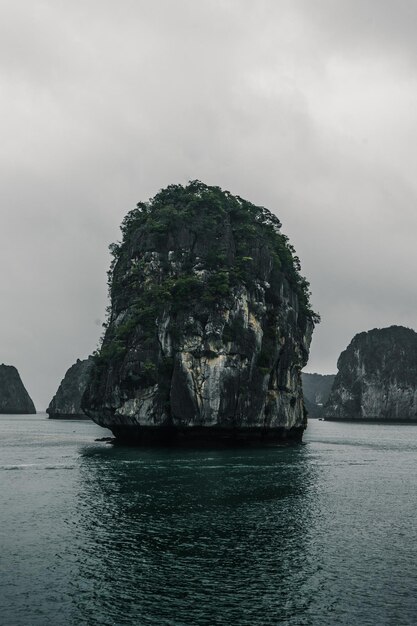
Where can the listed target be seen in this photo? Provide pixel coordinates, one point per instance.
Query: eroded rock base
(206, 436)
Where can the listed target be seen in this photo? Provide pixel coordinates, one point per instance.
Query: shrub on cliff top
(207, 207)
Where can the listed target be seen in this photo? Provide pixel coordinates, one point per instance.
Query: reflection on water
(197, 537)
(317, 535)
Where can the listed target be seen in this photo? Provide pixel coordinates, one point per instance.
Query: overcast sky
(308, 107)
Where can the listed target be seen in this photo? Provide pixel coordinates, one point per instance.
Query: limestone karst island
(66, 403)
(377, 377)
(14, 399)
(316, 391)
(209, 325)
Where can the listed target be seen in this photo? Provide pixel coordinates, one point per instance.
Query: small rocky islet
(209, 324)
(377, 378)
(14, 399)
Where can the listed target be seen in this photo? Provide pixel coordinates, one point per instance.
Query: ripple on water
(320, 534)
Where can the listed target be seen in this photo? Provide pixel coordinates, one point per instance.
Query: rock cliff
(209, 324)
(377, 377)
(316, 390)
(66, 403)
(14, 399)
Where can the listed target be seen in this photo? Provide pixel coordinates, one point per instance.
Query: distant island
(66, 403)
(316, 390)
(209, 325)
(14, 399)
(377, 377)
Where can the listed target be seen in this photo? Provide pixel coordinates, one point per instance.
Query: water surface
(319, 534)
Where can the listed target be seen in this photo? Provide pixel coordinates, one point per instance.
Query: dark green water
(320, 534)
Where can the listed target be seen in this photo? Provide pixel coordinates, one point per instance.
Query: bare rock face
(66, 403)
(377, 377)
(14, 399)
(209, 324)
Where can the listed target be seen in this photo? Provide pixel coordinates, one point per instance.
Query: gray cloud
(361, 26)
(305, 107)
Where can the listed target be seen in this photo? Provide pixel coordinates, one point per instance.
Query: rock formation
(377, 377)
(66, 403)
(209, 324)
(14, 399)
(316, 390)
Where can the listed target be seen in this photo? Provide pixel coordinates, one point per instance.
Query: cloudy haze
(308, 107)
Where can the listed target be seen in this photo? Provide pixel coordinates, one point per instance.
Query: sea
(319, 534)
